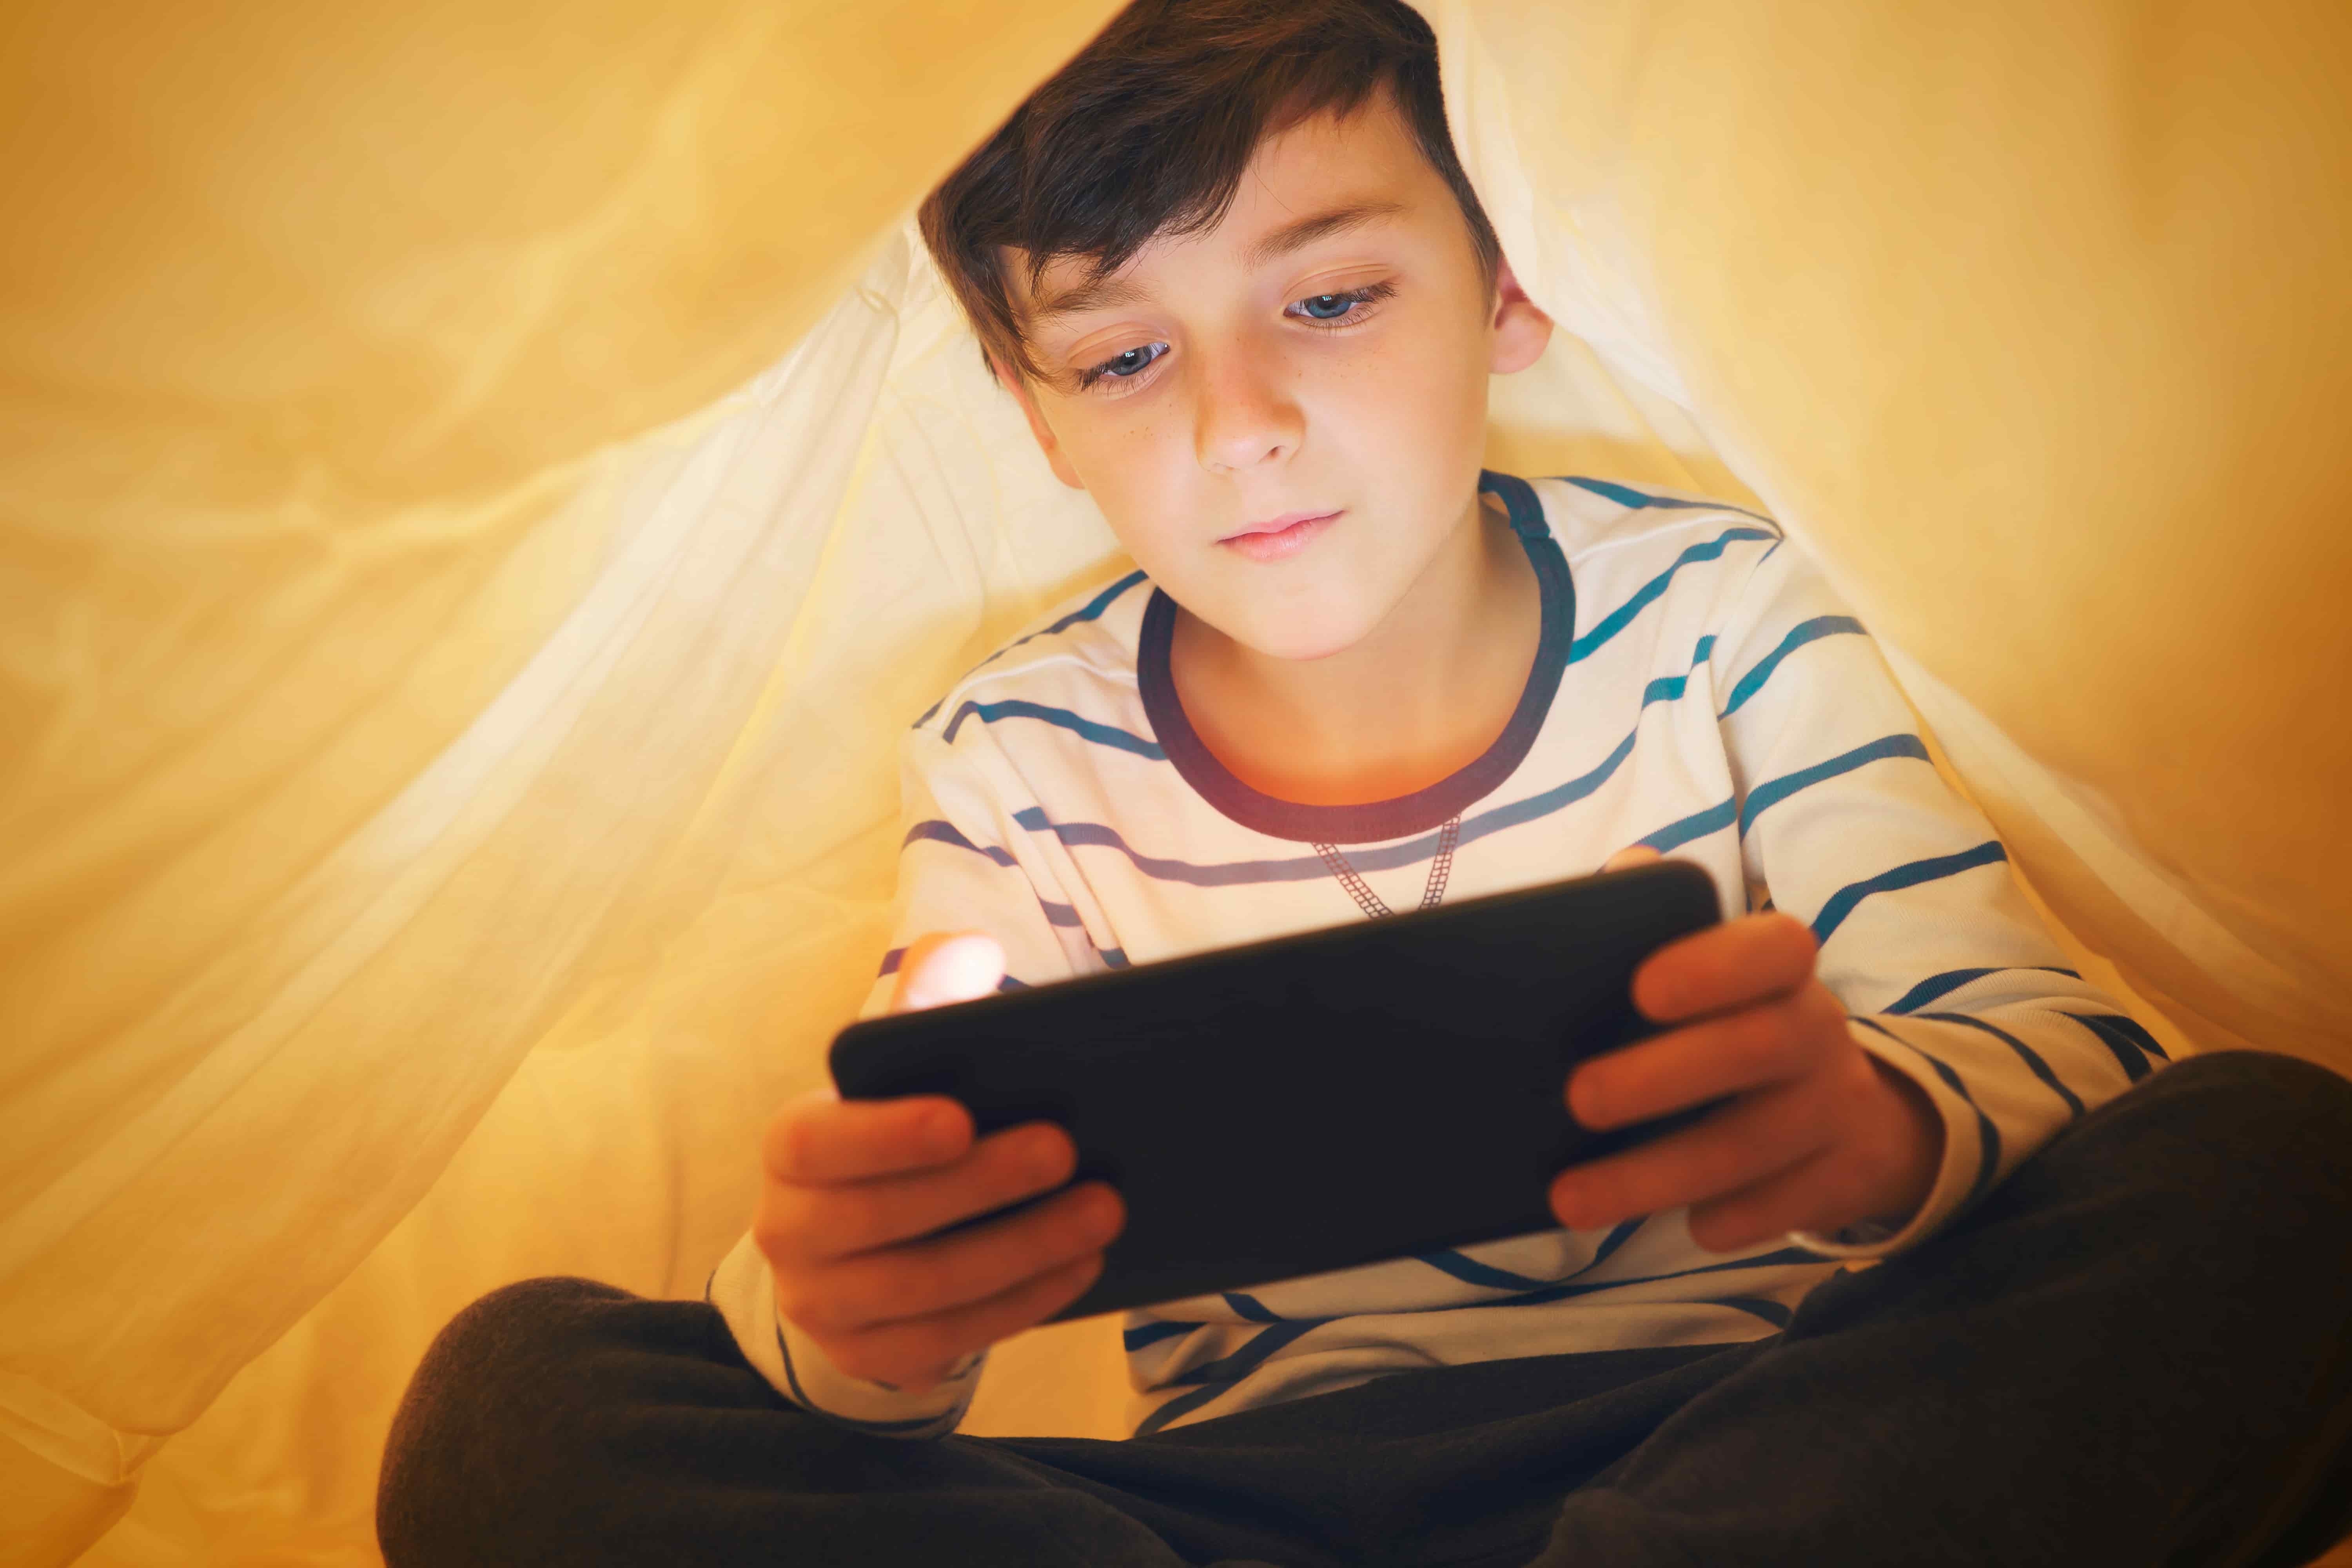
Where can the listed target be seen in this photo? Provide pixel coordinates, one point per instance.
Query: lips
(1278, 536)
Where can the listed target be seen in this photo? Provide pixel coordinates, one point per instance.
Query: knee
(2257, 1128)
(475, 1418)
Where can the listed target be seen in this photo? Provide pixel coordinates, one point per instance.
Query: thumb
(1632, 855)
(943, 968)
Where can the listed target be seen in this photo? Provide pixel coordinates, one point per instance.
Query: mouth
(1280, 536)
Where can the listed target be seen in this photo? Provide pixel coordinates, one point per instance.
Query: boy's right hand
(850, 1189)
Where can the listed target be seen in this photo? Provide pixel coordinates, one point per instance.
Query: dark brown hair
(1148, 131)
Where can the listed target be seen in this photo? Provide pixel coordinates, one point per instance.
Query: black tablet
(1316, 1101)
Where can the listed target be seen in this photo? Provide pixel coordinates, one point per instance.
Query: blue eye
(1134, 362)
(1329, 307)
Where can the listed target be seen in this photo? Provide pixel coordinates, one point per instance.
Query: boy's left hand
(1822, 1135)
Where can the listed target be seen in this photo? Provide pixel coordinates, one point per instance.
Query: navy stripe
(1113, 957)
(1765, 796)
(1951, 980)
(1060, 717)
(944, 1420)
(1182, 1405)
(1310, 869)
(1770, 1312)
(890, 962)
(1616, 1238)
(1618, 619)
(1987, 1135)
(1668, 688)
(1820, 626)
(1232, 1367)
(1149, 1334)
(2027, 1054)
(1565, 1291)
(938, 832)
(2130, 1043)
(1009, 983)
(1638, 500)
(1092, 609)
(1934, 869)
(1059, 914)
(1470, 1272)
(1249, 1307)
(1697, 825)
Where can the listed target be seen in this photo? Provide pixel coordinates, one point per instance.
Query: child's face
(1322, 353)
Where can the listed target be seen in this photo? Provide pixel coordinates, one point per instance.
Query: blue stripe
(1770, 1312)
(1009, 983)
(1951, 980)
(1235, 1366)
(890, 962)
(1059, 914)
(2026, 1053)
(1310, 869)
(1765, 796)
(1804, 632)
(1566, 1291)
(937, 831)
(1697, 825)
(1841, 903)
(1092, 609)
(1987, 1135)
(1616, 1238)
(1060, 717)
(1249, 1307)
(1668, 688)
(2130, 1043)
(1470, 1272)
(1637, 500)
(1182, 1405)
(1113, 957)
(1618, 619)
(1149, 1334)
(944, 1420)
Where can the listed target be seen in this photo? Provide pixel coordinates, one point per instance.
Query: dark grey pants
(2136, 1350)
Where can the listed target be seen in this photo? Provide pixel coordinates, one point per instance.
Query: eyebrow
(1317, 226)
(1101, 293)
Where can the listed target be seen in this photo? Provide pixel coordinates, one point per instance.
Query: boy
(1229, 267)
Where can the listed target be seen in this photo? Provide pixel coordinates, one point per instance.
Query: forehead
(1325, 174)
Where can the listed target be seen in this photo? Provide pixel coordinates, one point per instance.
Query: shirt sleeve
(1949, 976)
(965, 863)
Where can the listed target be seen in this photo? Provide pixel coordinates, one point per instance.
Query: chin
(1303, 638)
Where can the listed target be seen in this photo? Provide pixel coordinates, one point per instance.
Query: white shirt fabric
(1697, 689)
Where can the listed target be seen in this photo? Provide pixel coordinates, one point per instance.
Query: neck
(1416, 698)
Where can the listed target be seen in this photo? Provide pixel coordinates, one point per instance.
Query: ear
(1014, 382)
(1521, 329)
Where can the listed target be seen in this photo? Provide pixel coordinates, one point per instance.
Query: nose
(1244, 416)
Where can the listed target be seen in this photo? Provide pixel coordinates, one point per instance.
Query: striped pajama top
(1696, 687)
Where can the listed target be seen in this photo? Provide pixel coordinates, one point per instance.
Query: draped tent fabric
(481, 486)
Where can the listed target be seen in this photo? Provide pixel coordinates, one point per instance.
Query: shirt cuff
(1956, 1178)
(744, 1292)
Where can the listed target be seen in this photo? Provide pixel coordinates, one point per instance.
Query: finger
(1817, 1193)
(1725, 967)
(916, 1353)
(1769, 1043)
(919, 1279)
(1756, 1137)
(942, 968)
(1632, 855)
(822, 1140)
(826, 1222)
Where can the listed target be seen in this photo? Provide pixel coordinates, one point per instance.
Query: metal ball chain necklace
(1369, 901)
